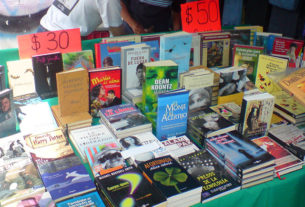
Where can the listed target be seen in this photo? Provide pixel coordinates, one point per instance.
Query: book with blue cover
(177, 47)
(89, 199)
(172, 114)
(155, 49)
(109, 54)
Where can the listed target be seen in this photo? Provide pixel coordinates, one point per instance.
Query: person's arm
(176, 16)
(135, 26)
(117, 31)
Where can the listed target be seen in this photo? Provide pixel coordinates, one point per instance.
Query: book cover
(38, 199)
(291, 137)
(172, 113)
(269, 64)
(288, 48)
(45, 68)
(176, 47)
(123, 38)
(195, 55)
(155, 49)
(105, 89)
(79, 59)
(230, 111)
(72, 89)
(253, 29)
(68, 183)
(170, 178)
(128, 187)
(215, 49)
(232, 80)
(109, 54)
(21, 77)
(159, 77)
(242, 155)
(124, 118)
(209, 123)
(294, 84)
(92, 199)
(283, 158)
(132, 59)
(212, 176)
(262, 39)
(247, 56)
(2, 78)
(90, 136)
(8, 119)
(105, 158)
(256, 113)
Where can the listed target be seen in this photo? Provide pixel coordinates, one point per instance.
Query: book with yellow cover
(269, 64)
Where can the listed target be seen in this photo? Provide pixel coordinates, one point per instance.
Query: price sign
(49, 42)
(200, 16)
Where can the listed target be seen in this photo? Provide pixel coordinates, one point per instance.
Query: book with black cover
(45, 68)
(215, 180)
(128, 187)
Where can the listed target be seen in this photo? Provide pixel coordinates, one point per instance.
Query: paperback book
(89, 199)
(117, 189)
(2, 78)
(8, 118)
(80, 59)
(230, 111)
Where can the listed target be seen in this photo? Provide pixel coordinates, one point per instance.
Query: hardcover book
(172, 180)
(294, 84)
(90, 136)
(128, 187)
(172, 113)
(247, 56)
(125, 119)
(159, 77)
(176, 47)
(88, 199)
(269, 64)
(215, 49)
(109, 54)
(256, 113)
(212, 176)
(8, 119)
(288, 48)
(132, 59)
(80, 59)
(105, 88)
(45, 68)
(285, 161)
(21, 77)
(291, 137)
(241, 155)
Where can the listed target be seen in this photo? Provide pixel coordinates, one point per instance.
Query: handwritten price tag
(49, 42)
(200, 16)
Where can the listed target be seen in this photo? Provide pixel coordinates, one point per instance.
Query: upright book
(2, 78)
(8, 118)
(45, 68)
(172, 114)
(79, 59)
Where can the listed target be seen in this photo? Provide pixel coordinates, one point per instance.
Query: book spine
(242, 116)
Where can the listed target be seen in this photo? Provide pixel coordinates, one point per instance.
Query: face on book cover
(5, 108)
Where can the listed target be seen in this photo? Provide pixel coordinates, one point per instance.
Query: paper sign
(200, 16)
(49, 42)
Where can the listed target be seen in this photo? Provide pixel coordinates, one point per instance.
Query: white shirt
(84, 14)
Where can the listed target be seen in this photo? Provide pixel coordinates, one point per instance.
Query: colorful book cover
(256, 113)
(262, 39)
(269, 64)
(92, 199)
(159, 77)
(212, 176)
(45, 68)
(215, 49)
(176, 46)
(172, 114)
(68, 183)
(110, 54)
(283, 158)
(128, 187)
(230, 111)
(247, 56)
(169, 177)
(105, 89)
(241, 155)
(253, 29)
(155, 49)
(8, 118)
(81, 59)
(21, 77)
(39, 199)
(288, 48)
(105, 158)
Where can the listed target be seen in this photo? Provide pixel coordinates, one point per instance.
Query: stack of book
(243, 159)
(61, 171)
(125, 120)
(174, 182)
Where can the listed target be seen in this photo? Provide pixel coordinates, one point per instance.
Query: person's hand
(138, 29)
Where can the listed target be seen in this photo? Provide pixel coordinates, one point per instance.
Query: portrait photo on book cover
(200, 98)
(108, 158)
(130, 120)
(232, 82)
(7, 116)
